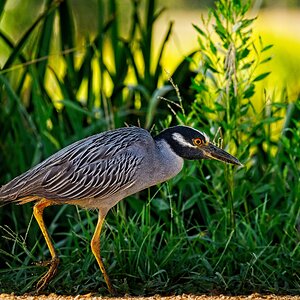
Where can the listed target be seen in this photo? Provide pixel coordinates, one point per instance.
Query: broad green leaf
(243, 54)
(199, 30)
(2, 4)
(266, 60)
(25, 38)
(267, 48)
(75, 106)
(261, 76)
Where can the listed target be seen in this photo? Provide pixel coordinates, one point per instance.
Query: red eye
(197, 142)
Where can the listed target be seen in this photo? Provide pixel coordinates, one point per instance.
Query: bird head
(193, 144)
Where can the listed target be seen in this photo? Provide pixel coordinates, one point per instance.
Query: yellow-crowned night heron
(99, 171)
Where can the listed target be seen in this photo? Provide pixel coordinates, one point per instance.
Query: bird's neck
(168, 162)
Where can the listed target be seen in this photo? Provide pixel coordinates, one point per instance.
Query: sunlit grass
(285, 63)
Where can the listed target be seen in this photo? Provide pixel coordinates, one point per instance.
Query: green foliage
(212, 228)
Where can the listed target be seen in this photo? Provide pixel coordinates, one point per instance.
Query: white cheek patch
(181, 140)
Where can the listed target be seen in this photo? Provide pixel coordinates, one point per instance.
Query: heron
(100, 170)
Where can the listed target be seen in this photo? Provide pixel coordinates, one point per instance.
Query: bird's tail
(15, 191)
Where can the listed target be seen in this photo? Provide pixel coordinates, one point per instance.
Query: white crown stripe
(181, 140)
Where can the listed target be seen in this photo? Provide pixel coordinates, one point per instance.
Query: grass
(178, 256)
(212, 228)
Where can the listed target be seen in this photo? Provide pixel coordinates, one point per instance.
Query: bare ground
(156, 297)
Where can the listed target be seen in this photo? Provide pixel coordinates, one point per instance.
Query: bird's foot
(110, 287)
(43, 263)
(44, 281)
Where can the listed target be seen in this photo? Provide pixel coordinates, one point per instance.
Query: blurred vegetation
(212, 228)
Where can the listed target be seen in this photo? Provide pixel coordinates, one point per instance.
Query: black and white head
(193, 144)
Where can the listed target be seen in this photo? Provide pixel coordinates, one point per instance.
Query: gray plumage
(104, 167)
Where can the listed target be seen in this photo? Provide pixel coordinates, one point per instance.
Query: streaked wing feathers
(97, 166)
(98, 179)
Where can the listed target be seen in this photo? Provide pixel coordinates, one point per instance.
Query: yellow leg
(38, 214)
(95, 245)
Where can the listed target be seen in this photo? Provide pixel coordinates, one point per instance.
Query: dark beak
(210, 151)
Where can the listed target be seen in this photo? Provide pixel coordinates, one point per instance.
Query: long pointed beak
(212, 152)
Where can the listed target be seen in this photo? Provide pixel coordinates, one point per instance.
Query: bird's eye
(197, 142)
